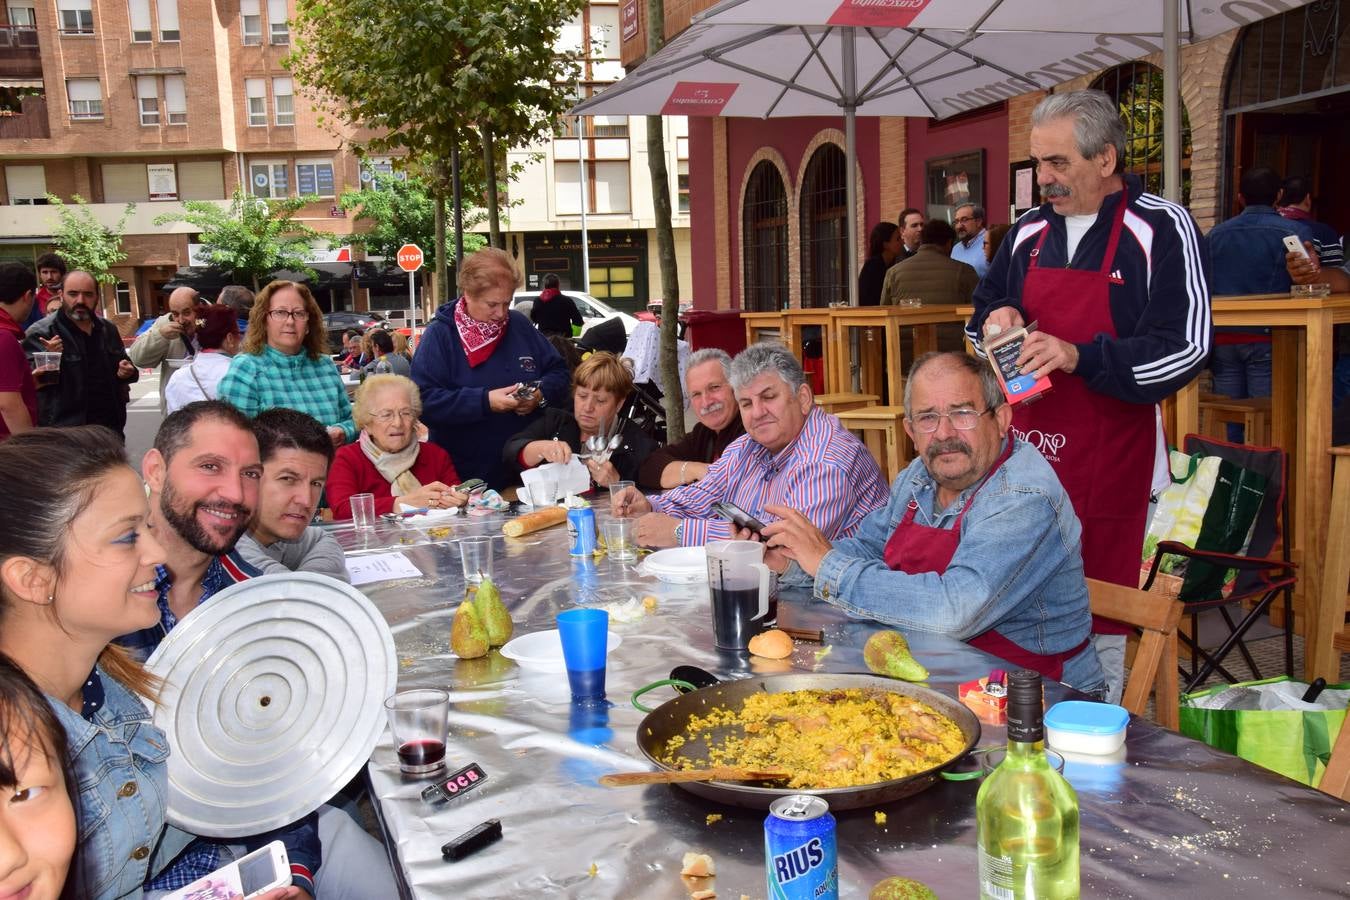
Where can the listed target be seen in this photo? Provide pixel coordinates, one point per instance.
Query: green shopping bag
(1293, 742)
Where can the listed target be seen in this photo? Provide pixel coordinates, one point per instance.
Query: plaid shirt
(223, 571)
(825, 473)
(271, 379)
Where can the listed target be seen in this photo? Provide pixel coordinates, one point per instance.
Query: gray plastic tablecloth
(1175, 817)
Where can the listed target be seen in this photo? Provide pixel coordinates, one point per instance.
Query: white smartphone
(262, 870)
(1294, 245)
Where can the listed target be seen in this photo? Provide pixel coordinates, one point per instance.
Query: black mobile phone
(738, 517)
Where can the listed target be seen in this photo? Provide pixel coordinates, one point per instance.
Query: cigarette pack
(1003, 350)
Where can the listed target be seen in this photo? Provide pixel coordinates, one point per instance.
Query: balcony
(26, 122)
(19, 53)
(40, 221)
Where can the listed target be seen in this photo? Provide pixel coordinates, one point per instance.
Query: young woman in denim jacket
(77, 569)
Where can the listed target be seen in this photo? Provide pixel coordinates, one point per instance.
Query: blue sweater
(455, 396)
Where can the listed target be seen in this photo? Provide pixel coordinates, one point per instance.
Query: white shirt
(1077, 226)
(209, 367)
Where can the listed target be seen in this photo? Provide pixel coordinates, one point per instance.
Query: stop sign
(410, 257)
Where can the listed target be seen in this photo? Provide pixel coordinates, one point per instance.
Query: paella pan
(698, 729)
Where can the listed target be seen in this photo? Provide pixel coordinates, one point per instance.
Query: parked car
(593, 312)
(339, 322)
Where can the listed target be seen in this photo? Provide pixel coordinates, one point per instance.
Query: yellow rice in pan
(826, 738)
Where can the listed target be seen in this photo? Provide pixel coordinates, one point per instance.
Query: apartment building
(543, 229)
(156, 102)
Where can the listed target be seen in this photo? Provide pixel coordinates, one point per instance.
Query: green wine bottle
(1026, 813)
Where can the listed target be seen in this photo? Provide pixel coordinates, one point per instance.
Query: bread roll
(772, 644)
(535, 521)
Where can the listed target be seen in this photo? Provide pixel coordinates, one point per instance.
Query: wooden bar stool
(837, 403)
(883, 432)
(1328, 635)
(763, 326)
(1252, 413)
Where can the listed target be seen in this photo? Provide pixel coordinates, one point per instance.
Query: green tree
(435, 78)
(395, 210)
(253, 238)
(84, 243)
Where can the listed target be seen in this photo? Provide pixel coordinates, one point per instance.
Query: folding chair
(1261, 576)
(1153, 671)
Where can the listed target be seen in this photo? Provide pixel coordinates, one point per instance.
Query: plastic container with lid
(1079, 726)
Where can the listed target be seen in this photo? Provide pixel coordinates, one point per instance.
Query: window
(86, 99)
(140, 21)
(682, 187)
(168, 20)
(314, 177)
(377, 172)
(23, 15)
(201, 180)
(610, 126)
(608, 183)
(175, 99)
(122, 293)
(825, 271)
(27, 185)
(255, 90)
(1137, 91)
(268, 179)
(77, 16)
(125, 183)
(283, 100)
(276, 21)
(765, 221)
(613, 279)
(147, 95)
(250, 12)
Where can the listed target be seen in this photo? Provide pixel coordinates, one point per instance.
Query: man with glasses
(169, 342)
(969, 247)
(978, 540)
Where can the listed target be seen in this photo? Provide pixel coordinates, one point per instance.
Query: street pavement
(143, 416)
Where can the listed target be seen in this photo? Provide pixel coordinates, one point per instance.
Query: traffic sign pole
(410, 259)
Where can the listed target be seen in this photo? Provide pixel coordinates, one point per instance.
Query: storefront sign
(628, 17)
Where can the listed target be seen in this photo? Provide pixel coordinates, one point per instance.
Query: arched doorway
(824, 204)
(1287, 105)
(1137, 89)
(765, 218)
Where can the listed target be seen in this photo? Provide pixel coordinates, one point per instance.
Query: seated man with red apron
(978, 539)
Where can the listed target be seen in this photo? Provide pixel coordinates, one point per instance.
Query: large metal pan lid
(272, 701)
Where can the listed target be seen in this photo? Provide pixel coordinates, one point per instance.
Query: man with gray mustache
(707, 386)
(978, 539)
(1118, 282)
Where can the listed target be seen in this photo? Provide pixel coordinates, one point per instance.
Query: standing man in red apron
(978, 539)
(1117, 281)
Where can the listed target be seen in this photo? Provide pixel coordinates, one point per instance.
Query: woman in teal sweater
(283, 362)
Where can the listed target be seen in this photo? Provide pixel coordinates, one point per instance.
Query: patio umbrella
(930, 58)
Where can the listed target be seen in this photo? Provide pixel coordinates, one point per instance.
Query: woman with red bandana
(476, 365)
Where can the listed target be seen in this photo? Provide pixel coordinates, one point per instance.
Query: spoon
(716, 773)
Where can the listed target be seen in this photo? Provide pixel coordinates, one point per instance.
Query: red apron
(919, 549)
(1101, 448)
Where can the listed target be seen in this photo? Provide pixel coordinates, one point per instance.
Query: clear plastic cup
(476, 555)
(363, 510)
(620, 535)
(419, 721)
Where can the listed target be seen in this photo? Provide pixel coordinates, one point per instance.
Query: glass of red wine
(419, 720)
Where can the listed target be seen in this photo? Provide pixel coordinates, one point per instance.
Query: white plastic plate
(273, 700)
(543, 650)
(678, 565)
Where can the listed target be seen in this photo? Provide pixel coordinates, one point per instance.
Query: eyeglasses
(961, 419)
(961, 220)
(281, 315)
(388, 415)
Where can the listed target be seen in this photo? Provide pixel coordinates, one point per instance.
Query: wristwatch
(679, 534)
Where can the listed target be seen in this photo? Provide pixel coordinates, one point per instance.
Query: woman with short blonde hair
(388, 460)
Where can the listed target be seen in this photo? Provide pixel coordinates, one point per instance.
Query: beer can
(800, 855)
(581, 528)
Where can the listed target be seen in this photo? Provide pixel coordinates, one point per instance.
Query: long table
(1175, 816)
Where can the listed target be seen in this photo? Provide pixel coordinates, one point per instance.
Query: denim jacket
(1018, 567)
(1247, 251)
(120, 764)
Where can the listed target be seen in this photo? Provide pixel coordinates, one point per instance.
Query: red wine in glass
(421, 756)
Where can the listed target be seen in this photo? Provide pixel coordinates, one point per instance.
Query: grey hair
(766, 356)
(989, 386)
(1096, 121)
(976, 210)
(708, 354)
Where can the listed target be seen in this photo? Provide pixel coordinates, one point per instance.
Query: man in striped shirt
(792, 454)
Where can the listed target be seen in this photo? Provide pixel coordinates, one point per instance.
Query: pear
(887, 653)
(492, 613)
(897, 888)
(468, 637)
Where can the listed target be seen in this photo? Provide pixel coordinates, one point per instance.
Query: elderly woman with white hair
(387, 459)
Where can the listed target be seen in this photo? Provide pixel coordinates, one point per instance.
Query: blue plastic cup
(585, 635)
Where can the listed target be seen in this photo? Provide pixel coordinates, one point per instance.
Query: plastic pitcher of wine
(740, 585)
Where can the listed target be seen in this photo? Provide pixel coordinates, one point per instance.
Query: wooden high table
(1300, 409)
